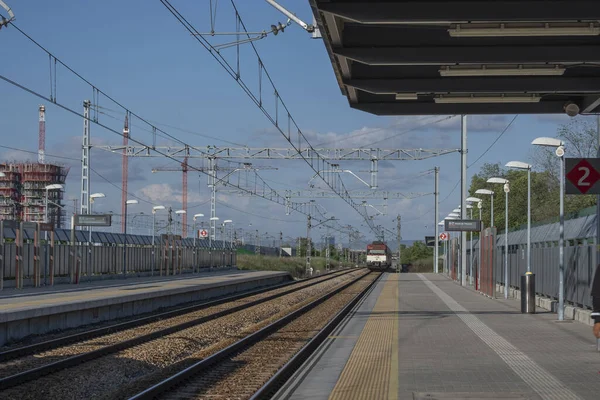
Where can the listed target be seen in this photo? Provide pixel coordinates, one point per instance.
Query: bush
(296, 266)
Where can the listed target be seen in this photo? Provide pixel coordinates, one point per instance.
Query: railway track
(16, 352)
(233, 313)
(256, 365)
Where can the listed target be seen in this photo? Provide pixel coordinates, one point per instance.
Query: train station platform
(422, 336)
(47, 309)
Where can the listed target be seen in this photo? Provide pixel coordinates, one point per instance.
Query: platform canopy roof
(422, 57)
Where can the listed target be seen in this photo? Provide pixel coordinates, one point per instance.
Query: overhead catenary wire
(469, 166)
(234, 74)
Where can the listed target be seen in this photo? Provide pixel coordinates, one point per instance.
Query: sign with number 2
(582, 175)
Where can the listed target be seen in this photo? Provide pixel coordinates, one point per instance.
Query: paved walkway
(454, 343)
(109, 294)
(118, 280)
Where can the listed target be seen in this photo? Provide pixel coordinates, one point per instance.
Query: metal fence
(27, 258)
(580, 258)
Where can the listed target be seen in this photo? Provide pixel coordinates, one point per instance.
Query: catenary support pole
(561, 244)
(436, 252)
(463, 196)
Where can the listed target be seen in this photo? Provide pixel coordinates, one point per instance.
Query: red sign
(203, 233)
(443, 236)
(583, 176)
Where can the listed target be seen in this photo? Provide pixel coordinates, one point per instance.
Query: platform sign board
(430, 241)
(165, 236)
(46, 226)
(202, 234)
(92, 219)
(29, 225)
(582, 175)
(10, 224)
(462, 225)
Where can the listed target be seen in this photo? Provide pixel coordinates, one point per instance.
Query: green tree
(418, 251)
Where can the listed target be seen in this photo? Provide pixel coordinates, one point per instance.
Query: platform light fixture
(503, 30)
(407, 96)
(486, 99)
(518, 71)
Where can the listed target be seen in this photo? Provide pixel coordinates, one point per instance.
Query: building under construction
(23, 186)
(23, 192)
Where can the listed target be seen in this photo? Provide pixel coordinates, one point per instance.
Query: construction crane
(183, 167)
(42, 135)
(213, 181)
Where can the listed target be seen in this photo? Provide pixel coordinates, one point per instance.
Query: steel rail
(202, 366)
(32, 374)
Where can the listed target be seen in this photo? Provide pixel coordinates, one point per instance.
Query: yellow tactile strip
(372, 369)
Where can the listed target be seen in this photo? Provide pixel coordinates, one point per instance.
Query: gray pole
(506, 245)
(529, 219)
(463, 196)
(46, 247)
(436, 251)
(308, 249)
(153, 242)
(492, 211)
(399, 264)
(89, 268)
(598, 204)
(480, 206)
(471, 251)
(561, 244)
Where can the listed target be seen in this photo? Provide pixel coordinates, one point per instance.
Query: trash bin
(528, 293)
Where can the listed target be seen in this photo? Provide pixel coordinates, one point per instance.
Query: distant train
(379, 256)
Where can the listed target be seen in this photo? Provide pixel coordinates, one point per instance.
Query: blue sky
(137, 52)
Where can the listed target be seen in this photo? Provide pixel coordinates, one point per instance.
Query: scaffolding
(23, 192)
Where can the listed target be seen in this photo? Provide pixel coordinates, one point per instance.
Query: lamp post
(210, 242)
(559, 145)
(196, 216)
(93, 196)
(180, 213)
(154, 210)
(450, 216)
(491, 194)
(524, 166)
(479, 206)
(506, 184)
(227, 221)
(127, 203)
(56, 186)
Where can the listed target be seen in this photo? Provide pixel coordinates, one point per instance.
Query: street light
(196, 216)
(506, 191)
(560, 153)
(154, 210)
(210, 238)
(93, 196)
(524, 166)
(479, 206)
(180, 213)
(127, 203)
(227, 221)
(491, 194)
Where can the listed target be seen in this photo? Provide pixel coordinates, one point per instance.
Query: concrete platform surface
(451, 343)
(50, 310)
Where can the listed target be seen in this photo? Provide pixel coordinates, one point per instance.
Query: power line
(495, 141)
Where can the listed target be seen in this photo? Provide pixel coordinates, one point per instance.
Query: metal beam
(410, 108)
(590, 104)
(478, 85)
(372, 194)
(268, 153)
(442, 55)
(371, 12)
